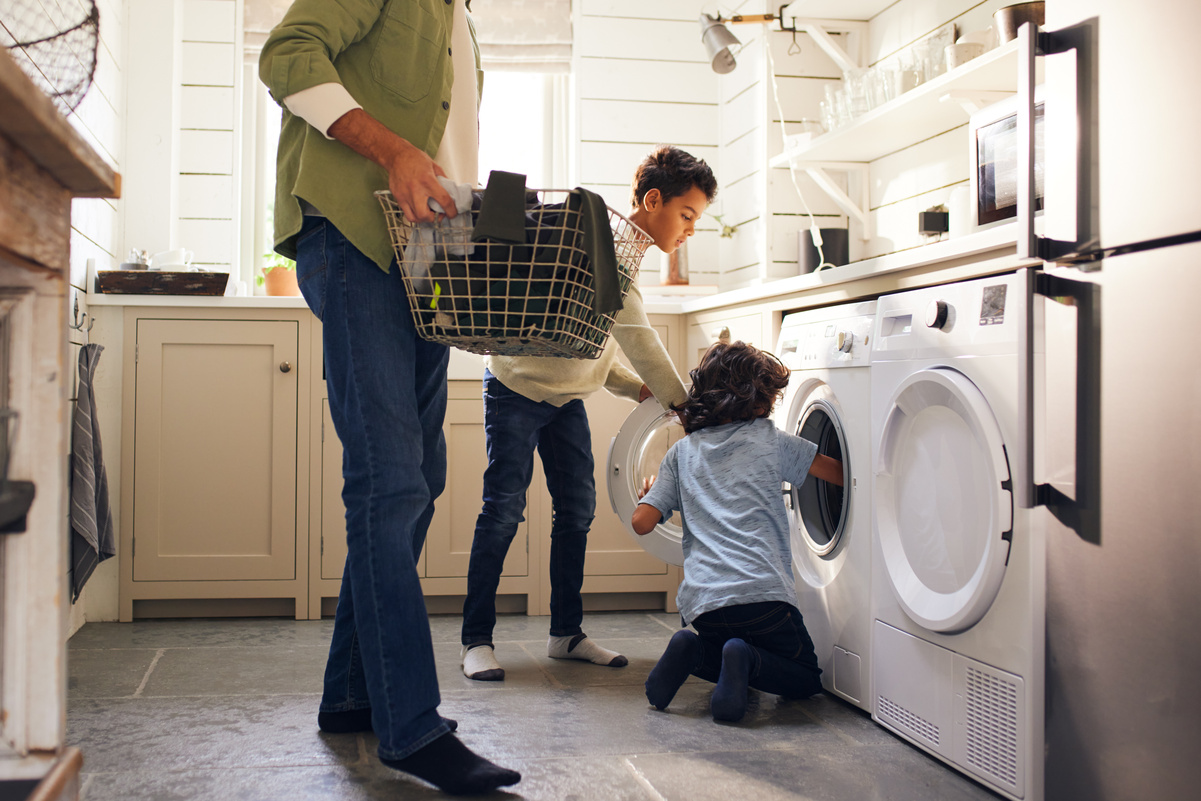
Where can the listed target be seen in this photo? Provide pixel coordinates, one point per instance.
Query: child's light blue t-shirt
(726, 483)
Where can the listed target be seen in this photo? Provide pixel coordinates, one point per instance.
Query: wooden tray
(157, 282)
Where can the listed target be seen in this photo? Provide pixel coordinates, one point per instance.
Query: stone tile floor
(227, 709)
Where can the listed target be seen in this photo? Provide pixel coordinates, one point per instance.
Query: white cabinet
(211, 459)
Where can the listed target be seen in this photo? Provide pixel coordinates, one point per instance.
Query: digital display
(992, 306)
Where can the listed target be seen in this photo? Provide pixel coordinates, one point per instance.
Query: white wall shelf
(928, 110)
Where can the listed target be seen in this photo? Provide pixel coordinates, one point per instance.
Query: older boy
(532, 402)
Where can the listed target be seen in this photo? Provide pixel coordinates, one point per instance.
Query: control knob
(937, 314)
(845, 341)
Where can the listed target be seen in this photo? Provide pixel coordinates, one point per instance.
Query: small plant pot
(281, 282)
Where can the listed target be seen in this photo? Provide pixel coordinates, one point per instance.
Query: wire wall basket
(56, 48)
(497, 298)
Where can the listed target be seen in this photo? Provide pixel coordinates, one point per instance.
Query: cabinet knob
(721, 334)
(285, 367)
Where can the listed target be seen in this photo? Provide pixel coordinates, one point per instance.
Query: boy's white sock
(580, 647)
(479, 663)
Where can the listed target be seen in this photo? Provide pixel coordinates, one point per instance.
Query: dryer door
(819, 509)
(634, 455)
(944, 502)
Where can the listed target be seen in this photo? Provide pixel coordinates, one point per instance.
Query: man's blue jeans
(514, 426)
(783, 661)
(387, 397)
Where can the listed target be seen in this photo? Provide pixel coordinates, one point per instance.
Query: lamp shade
(717, 40)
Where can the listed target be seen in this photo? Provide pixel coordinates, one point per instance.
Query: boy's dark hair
(734, 381)
(673, 172)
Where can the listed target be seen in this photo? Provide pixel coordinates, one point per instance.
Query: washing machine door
(819, 509)
(634, 455)
(943, 499)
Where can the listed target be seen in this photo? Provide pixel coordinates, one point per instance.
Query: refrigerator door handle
(1081, 40)
(1083, 513)
(1027, 244)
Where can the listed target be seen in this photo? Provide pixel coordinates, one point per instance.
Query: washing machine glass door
(944, 506)
(819, 508)
(634, 456)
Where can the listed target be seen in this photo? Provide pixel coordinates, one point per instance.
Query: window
(523, 127)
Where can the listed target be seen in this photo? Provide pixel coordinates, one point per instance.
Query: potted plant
(278, 276)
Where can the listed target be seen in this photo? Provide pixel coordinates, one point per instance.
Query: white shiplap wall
(903, 183)
(641, 80)
(763, 202)
(183, 125)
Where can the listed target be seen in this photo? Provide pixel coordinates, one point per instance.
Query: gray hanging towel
(92, 538)
(598, 246)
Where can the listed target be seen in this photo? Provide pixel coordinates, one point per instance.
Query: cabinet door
(215, 450)
(704, 330)
(448, 545)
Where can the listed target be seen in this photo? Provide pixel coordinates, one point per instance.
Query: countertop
(988, 251)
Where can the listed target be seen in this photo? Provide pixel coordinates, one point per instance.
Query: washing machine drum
(943, 500)
(819, 508)
(634, 456)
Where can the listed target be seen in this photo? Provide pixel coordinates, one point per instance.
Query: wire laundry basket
(506, 299)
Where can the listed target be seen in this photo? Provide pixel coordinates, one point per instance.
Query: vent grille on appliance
(992, 725)
(915, 724)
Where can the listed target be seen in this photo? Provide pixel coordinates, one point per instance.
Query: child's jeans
(783, 661)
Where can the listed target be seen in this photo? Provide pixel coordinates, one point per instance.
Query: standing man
(378, 94)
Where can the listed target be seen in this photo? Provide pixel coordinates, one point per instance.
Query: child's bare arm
(826, 469)
(645, 518)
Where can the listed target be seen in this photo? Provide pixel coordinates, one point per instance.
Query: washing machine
(958, 569)
(828, 402)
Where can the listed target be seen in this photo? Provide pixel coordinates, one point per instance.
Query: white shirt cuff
(321, 105)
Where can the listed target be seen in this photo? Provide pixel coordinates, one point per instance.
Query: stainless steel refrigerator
(1121, 231)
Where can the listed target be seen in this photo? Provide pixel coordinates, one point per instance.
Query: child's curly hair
(734, 381)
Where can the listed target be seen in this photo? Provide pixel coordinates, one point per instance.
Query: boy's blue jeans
(514, 426)
(387, 397)
(783, 661)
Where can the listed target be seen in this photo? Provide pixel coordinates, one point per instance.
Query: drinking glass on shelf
(855, 83)
(829, 115)
(880, 85)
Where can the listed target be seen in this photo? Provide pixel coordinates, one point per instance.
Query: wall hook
(80, 319)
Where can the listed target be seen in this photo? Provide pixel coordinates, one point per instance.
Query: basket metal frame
(533, 300)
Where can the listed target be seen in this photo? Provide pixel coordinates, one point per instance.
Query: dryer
(828, 401)
(634, 455)
(958, 569)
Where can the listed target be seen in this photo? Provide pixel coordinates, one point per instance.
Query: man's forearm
(412, 175)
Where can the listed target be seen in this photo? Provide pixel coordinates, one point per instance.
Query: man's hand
(412, 175)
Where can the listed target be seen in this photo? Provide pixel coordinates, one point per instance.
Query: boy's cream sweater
(557, 381)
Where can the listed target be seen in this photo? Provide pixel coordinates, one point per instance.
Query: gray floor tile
(184, 733)
(107, 673)
(360, 782)
(897, 774)
(246, 632)
(237, 670)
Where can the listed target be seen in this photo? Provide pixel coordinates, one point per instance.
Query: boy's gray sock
(580, 647)
(479, 663)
